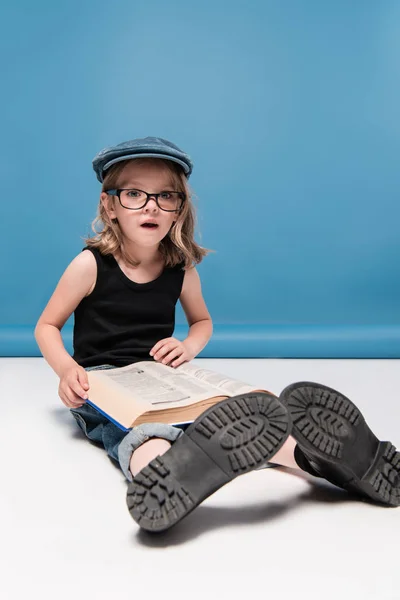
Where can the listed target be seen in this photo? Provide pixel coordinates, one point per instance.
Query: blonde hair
(176, 247)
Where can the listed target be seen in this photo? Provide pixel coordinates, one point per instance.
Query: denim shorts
(119, 444)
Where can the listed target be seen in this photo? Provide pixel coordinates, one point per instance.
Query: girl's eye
(133, 193)
(166, 195)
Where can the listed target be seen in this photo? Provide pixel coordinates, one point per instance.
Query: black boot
(334, 442)
(233, 437)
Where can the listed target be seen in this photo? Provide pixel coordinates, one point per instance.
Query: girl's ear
(108, 203)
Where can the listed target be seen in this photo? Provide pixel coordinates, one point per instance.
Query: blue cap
(149, 147)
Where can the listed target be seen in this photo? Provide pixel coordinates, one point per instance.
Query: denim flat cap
(149, 147)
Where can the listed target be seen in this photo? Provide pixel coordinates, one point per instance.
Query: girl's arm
(74, 285)
(197, 315)
(172, 351)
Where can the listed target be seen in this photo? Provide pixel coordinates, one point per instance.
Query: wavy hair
(176, 247)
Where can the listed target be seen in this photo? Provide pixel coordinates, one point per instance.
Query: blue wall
(290, 111)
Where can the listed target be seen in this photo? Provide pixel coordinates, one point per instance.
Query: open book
(148, 391)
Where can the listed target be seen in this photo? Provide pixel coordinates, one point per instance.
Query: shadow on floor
(206, 518)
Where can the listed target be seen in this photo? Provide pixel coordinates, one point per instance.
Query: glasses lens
(169, 200)
(133, 198)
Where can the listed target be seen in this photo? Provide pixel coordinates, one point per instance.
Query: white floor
(66, 533)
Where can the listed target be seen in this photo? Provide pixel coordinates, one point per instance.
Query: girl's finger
(176, 352)
(167, 348)
(78, 390)
(157, 353)
(74, 399)
(83, 380)
(178, 361)
(157, 347)
(68, 403)
(160, 344)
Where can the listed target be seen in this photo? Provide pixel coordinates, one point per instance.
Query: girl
(122, 289)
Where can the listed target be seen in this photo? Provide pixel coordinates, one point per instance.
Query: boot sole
(334, 436)
(233, 437)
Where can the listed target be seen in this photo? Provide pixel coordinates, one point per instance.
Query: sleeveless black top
(120, 321)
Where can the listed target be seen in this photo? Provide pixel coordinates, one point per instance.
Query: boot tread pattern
(323, 418)
(249, 429)
(385, 477)
(155, 499)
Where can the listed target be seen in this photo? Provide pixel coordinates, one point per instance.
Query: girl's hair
(176, 247)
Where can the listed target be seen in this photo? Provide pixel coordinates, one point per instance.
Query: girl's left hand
(171, 349)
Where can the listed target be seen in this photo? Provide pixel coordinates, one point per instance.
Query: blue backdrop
(289, 111)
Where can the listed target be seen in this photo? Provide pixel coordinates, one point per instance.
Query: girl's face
(151, 177)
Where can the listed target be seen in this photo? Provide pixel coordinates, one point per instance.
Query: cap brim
(146, 155)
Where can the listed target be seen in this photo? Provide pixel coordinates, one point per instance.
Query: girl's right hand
(73, 387)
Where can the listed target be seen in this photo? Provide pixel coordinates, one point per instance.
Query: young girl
(122, 289)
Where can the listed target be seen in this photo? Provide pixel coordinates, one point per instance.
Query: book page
(159, 385)
(224, 384)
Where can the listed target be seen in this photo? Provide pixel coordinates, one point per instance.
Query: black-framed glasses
(134, 199)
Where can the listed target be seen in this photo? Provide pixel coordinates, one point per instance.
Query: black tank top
(120, 321)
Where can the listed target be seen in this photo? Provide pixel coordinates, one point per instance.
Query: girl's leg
(156, 447)
(229, 439)
(146, 453)
(143, 444)
(285, 456)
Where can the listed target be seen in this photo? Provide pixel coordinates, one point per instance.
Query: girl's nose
(151, 204)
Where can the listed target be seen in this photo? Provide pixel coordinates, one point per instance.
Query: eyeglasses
(136, 199)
